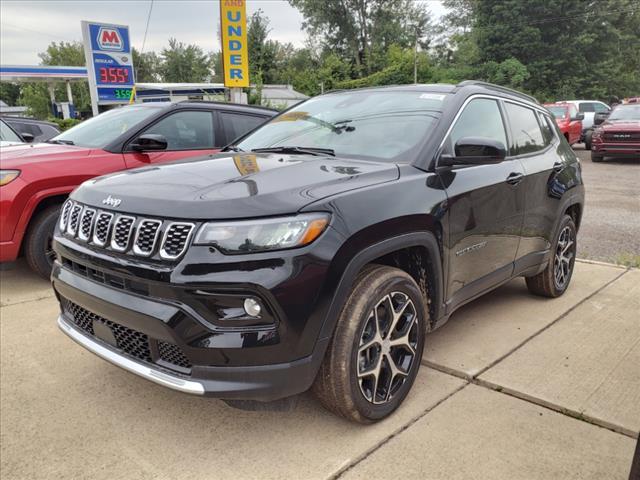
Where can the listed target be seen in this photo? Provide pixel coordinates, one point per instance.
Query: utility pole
(415, 59)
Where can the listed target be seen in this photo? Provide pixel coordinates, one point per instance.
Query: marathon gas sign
(235, 57)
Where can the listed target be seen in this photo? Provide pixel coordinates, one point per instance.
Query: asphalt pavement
(610, 230)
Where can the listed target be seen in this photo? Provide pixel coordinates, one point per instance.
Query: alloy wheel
(563, 262)
(387, 347)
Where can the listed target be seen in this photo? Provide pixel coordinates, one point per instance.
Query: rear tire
(554, 280)
(596, 157)
(375, 352)
(37, 243)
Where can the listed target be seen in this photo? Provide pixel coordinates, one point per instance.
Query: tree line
(552, 50)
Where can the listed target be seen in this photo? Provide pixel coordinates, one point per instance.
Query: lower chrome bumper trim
(152, 374)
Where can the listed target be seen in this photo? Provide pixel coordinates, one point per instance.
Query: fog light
(252, 307)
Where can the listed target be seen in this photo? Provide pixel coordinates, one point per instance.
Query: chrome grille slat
(176, 239)
(121, 234)
(64, 214)
(102, 228)
(86, 224)
(146, 237)
(74, 219)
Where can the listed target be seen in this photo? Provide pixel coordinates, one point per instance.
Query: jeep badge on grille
(113, 202)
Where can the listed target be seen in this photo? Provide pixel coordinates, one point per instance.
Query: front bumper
(139, 326)
(619, 150)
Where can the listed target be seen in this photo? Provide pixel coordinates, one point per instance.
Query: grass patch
(628, 259)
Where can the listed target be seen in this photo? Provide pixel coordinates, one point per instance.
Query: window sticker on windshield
(432, 96)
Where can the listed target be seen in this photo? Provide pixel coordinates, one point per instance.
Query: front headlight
(249, 236)
(8, 176)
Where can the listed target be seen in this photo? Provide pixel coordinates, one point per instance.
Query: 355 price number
(113, 75)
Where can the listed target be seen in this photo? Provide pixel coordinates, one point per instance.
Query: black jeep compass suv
(320, 249)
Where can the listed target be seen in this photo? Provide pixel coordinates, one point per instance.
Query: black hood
(227, 185)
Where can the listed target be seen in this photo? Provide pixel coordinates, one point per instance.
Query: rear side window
(237, 124)
(587, 107)
(599, 107)
(525, 130)
(547, 128)
(186, 130)
(480, 118)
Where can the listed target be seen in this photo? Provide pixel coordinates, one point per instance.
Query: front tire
(587, 140)
(596, 157)
(554, 280)
(38, 249)
(375, 352)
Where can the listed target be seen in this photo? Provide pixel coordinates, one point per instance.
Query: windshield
(101, 130)
(8, 135)
(380, 125)
(558, 112)
(625, 112)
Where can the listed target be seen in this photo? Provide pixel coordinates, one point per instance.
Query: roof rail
(218, 102)
(511, 91)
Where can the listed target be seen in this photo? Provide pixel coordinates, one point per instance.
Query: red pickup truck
(568, 119)
(619, 135)
(36, 179)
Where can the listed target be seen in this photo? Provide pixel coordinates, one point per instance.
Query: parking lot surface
(513, 386)
(610, 229)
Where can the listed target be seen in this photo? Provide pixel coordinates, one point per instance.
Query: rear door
(485, 207)
(535, 143)
(189, 133)
(235, 124)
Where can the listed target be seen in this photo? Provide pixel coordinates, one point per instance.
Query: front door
(485, 208)
(189, 133)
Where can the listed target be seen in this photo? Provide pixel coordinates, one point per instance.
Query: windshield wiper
(61, 142)
(299, 150)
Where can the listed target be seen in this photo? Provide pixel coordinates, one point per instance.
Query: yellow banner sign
(235, 56)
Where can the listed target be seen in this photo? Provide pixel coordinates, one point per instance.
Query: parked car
(34, 131)
(37, 178)
(8, 136)
(589, 109)
(619, 135)
(568, 119)
(318, 250)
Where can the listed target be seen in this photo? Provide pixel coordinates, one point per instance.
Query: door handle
(558, 167)
(514, 178)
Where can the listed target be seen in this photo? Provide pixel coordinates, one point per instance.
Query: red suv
(619, 135)
(569, 120)
(36, 179)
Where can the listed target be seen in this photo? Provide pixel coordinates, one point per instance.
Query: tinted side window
(587, 107)
(480, 118)
(600, 107)
(525, 130)
(547, 128)
(186, 130)
(237, 124)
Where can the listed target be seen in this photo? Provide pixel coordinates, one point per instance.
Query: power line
(39, 32)
(146, 29)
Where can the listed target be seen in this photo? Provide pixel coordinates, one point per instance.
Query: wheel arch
(37, 206)
(417, 253)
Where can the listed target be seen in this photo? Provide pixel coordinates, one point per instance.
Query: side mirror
(600, 117)
(149, 142)
(579, 116)
(475, 151)
(27, 137)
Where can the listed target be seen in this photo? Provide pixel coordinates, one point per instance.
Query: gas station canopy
(24, 73)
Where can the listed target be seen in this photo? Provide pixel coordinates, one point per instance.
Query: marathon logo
(110, 39)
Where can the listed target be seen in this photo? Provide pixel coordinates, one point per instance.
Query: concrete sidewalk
(513, 386)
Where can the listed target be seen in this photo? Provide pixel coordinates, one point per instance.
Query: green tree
(185, 63)
(35, 96)
(146, 65)
(361, 31)
(9, 93)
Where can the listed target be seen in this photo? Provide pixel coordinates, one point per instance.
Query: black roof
(208, 105)
(6, 117)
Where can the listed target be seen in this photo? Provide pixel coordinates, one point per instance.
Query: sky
(28, 27)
